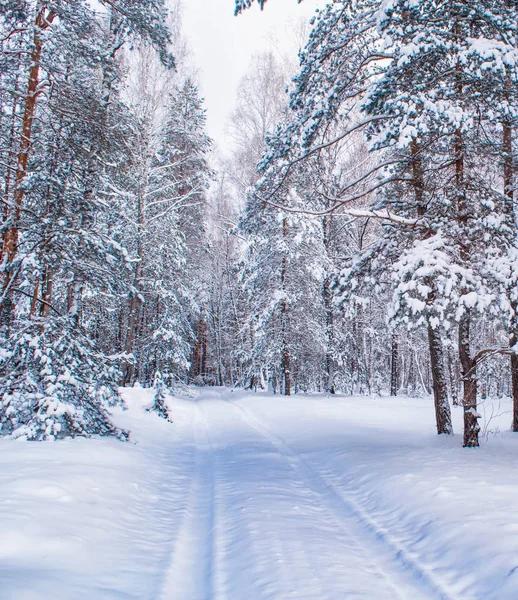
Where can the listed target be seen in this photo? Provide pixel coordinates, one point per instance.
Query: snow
(258, 497)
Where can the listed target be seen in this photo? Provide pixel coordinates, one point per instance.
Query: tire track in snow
(190, 574)
(336, 503)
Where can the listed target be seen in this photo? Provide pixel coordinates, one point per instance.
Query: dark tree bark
(394, 365)
(468, 365)
(440, 385)
(469, 380)
(439, 381)
(508, 172)
(199, 360)
(286, 373)
(47, 285)
(514, 383)
(453, 375)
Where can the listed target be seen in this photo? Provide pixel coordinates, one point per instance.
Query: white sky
(223, 45)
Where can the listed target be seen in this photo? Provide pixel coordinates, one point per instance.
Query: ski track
(414, 579)
(260, 523)
(190, 574)
(250, 495)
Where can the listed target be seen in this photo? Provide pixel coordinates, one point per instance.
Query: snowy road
(263, 524)
(254, 497)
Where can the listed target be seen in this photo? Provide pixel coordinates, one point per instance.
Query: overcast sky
(223, 45)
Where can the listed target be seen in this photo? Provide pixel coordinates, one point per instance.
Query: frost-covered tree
(62, 130)
(260, 103)
(283, 278)
(442, 82)
(420, 80)
(163, 196)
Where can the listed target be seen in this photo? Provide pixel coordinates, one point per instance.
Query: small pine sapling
(159, 404)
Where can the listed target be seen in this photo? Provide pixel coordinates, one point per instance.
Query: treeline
(373, 250)
(103, 176)
(402, 119)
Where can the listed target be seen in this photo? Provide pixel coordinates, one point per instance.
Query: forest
(360, 237)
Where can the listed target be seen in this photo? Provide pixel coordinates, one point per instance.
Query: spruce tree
(57, 236)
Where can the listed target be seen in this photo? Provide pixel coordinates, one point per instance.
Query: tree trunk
(328, 308)
(47, 285)
(440, 385)
(11, 154)
(204, 347)
(394, 365)
(10, 235)
(468, 365)
(330, 365)
(440, 388)
(508, 172)
(514, 382)
(411, 379)
(131, 329)
(73, 297)
(354, 353)
(453, 375)
(35, 298)
(199, 361)
(285, 363)
(469, 381)
(286, 374)
(135, 301)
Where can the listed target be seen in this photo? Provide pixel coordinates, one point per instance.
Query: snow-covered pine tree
(164, 194)
(56, 240)
(186, 145)
(283, 276)
(438, 90)
(496, 57)
(260, 104)
(418, 69)
(341, 58)
(53, 376)
(159, 404)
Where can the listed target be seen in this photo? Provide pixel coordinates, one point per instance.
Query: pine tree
(422, 75)
(159, 404)
(165, 195)
(56, 232)
(283, 277)
(443, 122)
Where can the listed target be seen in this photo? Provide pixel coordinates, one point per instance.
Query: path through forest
(256, 497)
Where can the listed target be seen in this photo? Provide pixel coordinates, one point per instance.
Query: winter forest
(359, 239)
(356, 242)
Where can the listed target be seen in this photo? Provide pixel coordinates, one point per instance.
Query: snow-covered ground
(254, 497)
